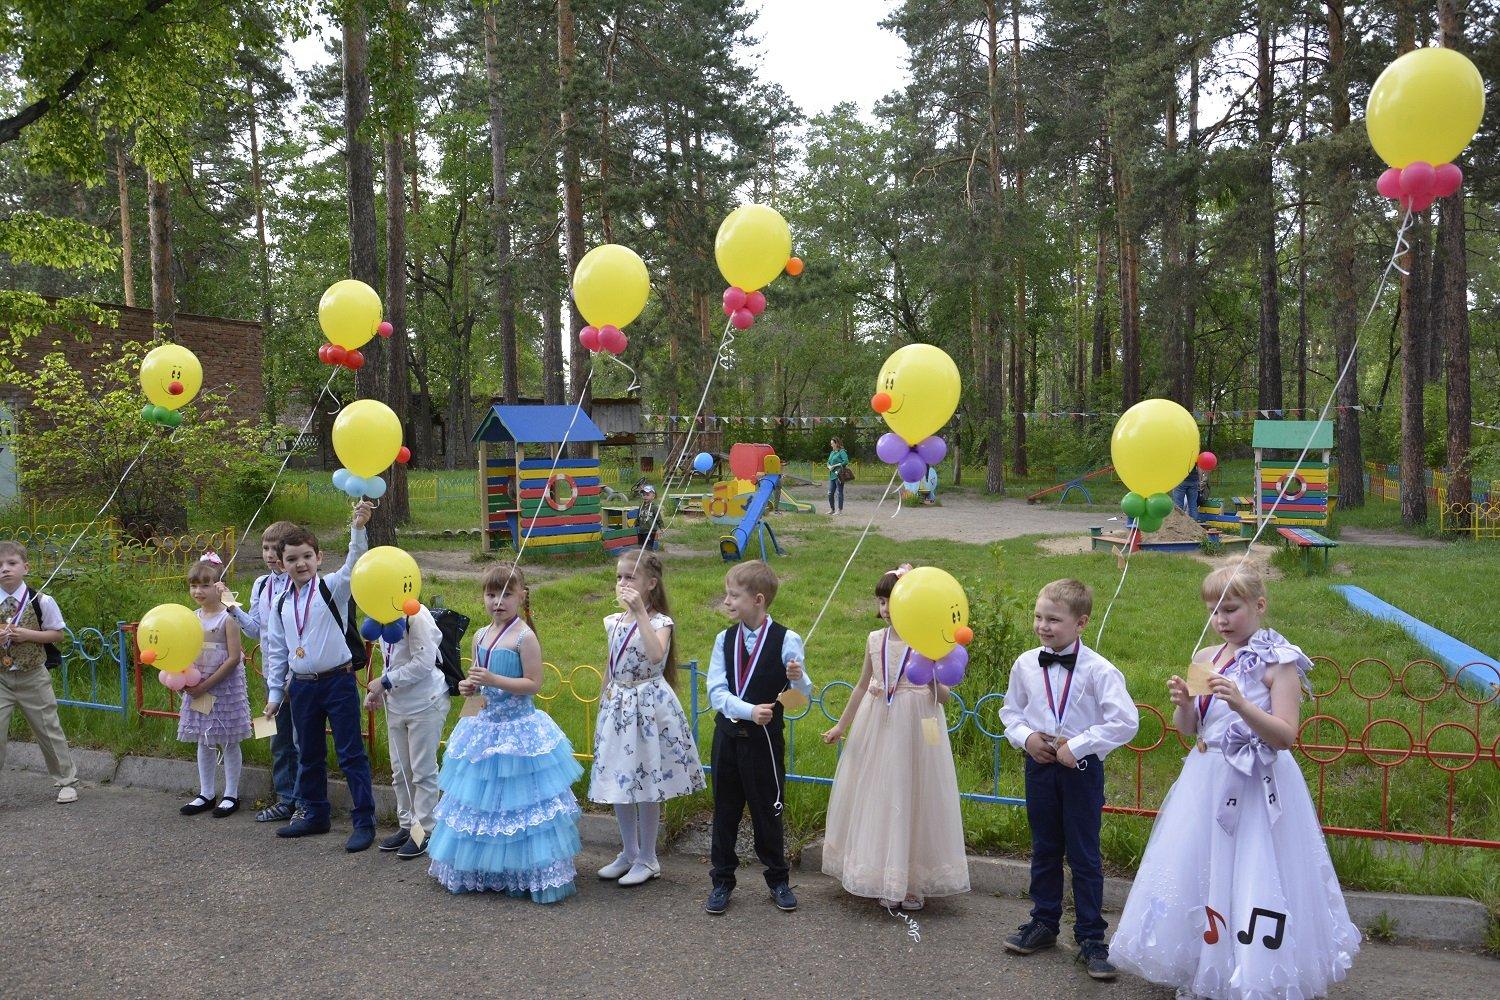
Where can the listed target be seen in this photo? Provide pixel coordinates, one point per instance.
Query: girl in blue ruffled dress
(508, 821)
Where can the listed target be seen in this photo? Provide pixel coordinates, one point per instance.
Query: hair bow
(902, 570)
(212, 558)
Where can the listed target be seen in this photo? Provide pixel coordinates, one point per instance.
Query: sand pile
(1178, 527)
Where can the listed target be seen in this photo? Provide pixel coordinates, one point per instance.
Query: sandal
(198, 805)
(912, 903)
(228, 806)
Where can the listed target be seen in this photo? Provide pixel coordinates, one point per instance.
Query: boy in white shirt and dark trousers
(414, 692)
(31, 626)
(1067, 707)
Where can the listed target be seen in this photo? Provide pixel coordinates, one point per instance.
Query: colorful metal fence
(92, 674)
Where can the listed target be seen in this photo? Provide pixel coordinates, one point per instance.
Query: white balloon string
(1132, 536)
(807, 641)
(635, 378)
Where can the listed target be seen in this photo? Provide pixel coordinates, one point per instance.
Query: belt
(634, 684)
(323, 675)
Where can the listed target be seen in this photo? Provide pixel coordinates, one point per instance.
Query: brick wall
(229, 350)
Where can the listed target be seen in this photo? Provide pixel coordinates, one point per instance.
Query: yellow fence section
(162, 557)
(168, 557)
(1477, 520)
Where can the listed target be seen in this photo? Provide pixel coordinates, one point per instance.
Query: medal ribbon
(268, 595)
(303, 614)
(742, 671)
(616, 651)
(885, 668)
(1207, 699)
(1060, 709)
(490, 648)
(20, 609)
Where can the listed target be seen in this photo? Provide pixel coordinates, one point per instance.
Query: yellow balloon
(753, 246)
(923, 385)
(349, 312)
(174, 633)
(1154, 444)
(383, 580)
(927, 608)
(1425, 107)
(167, 367)
(366, 437)
(611, 285)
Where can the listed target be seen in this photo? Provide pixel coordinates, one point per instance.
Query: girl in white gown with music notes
(1236, 898)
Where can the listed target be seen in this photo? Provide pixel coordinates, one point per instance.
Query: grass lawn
(1152, 632)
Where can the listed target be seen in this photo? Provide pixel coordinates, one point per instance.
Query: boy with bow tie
(1067, 707)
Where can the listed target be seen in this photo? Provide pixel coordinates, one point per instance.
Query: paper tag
(473, 705)
(232, 599)
(792, 700)
(261, 727)
(1199, 672)
(417, 833)
(932, 731)
(202, 703)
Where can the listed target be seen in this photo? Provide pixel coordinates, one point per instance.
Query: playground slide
(732, 546)
(791, 505)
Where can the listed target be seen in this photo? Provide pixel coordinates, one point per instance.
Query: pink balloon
(756, 303)
(734, 298)
(1448, 179)
(385, 329)
(1417, 179)
(191, 676)
(611, 339)
(175, 682)
(743, 319)
(624, 343)
(589, 338)
(1389, 184)
(1421, 202)
(162, 676)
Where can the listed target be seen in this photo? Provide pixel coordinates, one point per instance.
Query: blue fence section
(89, 658)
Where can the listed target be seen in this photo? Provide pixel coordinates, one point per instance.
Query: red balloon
(743, 319)
(1389, 184)
(1418, 179)
(404, 455)
(175, 388)
(385, 329)
(734, 298)
(1208, 461)
(1421, 202)
(588, 338)
(337, 355)
(756, 303)
(611, 339)
(1447, 179)
(323, 354)
(355, 361)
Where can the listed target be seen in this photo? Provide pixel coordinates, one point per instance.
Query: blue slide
(1463, 662)
(732, 546)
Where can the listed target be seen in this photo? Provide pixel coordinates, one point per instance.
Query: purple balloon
(911, 468)
(932, 449)
(919, 671)
(950, 669)
(891, 448)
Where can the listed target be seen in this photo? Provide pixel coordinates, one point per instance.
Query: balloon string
(807, 641)
(1401, 247)
(100, 512)
(1132, 535)
(312, 411)
(635, 379)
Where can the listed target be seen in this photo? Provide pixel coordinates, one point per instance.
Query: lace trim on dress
(553, 876)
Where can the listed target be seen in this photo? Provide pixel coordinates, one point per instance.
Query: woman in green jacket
(838, 460)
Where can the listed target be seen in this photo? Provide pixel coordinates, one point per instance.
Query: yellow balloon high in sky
(753, 246)
(922, 384)
(384, 579)
(1154, 444)
(927, 608)
(169, 367)
(366, 437)
(610, 285)
(173, 633)
(349, 313)
(1425, 107)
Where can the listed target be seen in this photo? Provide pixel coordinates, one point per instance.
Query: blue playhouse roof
(537, 425)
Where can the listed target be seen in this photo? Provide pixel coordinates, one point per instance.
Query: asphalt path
(117, 895)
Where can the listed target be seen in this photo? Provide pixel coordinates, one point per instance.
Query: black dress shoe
(411, 849)
(718, 900)
(228, 806)
(395, 840)
(1030, 937)
(199, 804)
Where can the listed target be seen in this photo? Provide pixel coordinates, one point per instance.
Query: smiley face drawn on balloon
(921, 385)
(173, 633)
(171, 376)
(383, 581)
(930, 611)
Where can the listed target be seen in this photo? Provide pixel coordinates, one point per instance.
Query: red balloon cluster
(332, 354)
(742, 307)
(1417, 185)
(607, 338)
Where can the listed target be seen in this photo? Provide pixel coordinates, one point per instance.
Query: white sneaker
(67, 794)
(641, 871)
(619, 866)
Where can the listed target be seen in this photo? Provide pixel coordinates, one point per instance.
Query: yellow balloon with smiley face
(383, 582)
(169, 637)
(171, 376)
(930, 611)
(917, 391)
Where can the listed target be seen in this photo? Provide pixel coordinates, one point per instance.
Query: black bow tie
(1067, 660)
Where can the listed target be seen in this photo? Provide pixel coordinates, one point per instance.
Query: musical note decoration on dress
(1211, 936)
(1271, 941)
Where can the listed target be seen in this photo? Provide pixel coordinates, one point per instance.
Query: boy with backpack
(311, 653)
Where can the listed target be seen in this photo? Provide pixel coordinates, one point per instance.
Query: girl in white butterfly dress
(1236, 898)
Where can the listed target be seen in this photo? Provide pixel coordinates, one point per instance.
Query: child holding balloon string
(894, 832)
(215, 712)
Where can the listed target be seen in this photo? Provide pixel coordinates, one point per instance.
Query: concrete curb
(1443, 920)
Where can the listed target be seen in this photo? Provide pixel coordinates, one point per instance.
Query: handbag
(846, 474)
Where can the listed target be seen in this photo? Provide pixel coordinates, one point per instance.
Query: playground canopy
(538, 425)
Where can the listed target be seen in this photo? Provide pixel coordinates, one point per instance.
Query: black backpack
(358, 657)
(52, 654)
(450, 660)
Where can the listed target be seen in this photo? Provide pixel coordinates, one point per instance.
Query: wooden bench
(1307, 541)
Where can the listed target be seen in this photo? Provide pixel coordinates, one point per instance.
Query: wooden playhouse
(527, 491)
(1307, 502)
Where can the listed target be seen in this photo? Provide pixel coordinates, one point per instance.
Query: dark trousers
(284, 761)
(1064, 806)
(743, 776)
(336, 702)
(835, 489)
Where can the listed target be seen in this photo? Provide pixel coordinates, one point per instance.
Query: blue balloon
(703, 462)
(354, 486)
(341, 480)
(375, 487)
(395, 631)
(370, 629)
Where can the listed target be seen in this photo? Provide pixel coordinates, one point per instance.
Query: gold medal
(1202, 745)
(6, 660)
(300, 652)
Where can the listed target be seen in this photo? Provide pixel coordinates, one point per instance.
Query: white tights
(208, 759)
(639, 823)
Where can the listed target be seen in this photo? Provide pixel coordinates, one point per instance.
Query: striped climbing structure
(1303, 487)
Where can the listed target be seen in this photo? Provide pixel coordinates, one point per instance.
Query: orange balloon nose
(412, 606)
(880, 402)
(175, 388)
(148, 656)
(963, 635)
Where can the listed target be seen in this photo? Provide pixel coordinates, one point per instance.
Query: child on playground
(309, 665)
(264, 593)
(1236, 896)
(412, 689)
(215, 712)
(895, 833)
(1067, 707)
(752, 663)
(31, 625)
(508, 821)
(644, 752)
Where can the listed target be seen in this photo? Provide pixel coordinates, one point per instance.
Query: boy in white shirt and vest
(30, 628)
(1067, 707)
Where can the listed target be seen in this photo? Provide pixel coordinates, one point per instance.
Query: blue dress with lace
(508, 821)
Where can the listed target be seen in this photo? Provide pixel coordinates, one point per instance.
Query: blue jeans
(284, 761)
(1185, 497)
(1065, 806)
(835, 489)
(336, 702)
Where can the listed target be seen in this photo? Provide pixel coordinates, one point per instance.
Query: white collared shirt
(1100, 716)
(321, 640)
(411, 666)
(47, 611)
(722, 699)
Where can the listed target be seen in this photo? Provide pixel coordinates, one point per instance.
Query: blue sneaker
(360, 839)
(782, 894)
(301, 826)
(1030, 937)
(718, 900)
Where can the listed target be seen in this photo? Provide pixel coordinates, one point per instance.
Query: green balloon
(172, 418)
(148, 413)
(1148, 524)
(1159, 505)
(1133, 504)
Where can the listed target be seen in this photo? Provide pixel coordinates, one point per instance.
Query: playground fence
(160, 557)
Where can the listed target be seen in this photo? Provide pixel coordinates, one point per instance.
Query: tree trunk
(500, 212)
(1452, 239)
(1130, 331)
(1340, 218)
(1171, 251)
(995, 478)
(1413, 336)
(1190, 268)
(1268, 394)
(163, 290)
(572, 193)
(127, 247)
(1304, 99)
(263, 252)
(1019, 338)
(398, 388)
(1103, 353)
